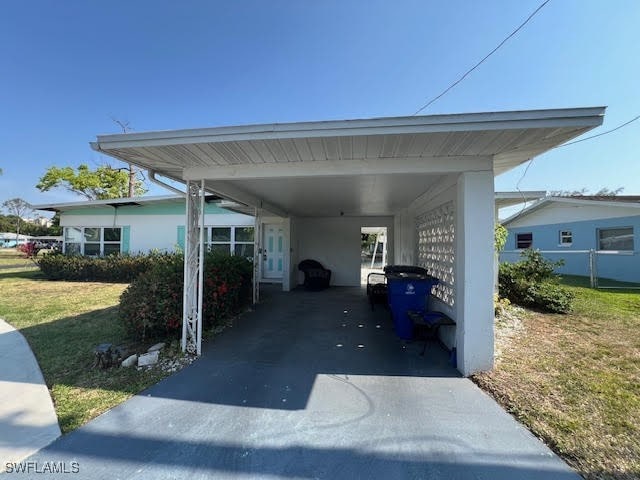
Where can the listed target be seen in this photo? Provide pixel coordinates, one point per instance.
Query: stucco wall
(623, 267)
(335, 243)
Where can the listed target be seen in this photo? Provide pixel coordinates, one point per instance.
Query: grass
(11, 258)
(574, 380)
(63, 322)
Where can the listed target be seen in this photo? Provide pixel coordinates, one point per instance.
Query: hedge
(112, 268)
(151, 307)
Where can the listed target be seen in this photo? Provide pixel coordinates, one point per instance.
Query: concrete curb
(28, 421)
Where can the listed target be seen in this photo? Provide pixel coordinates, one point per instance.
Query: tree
(603, 192)
(19, 208)
(100, 184)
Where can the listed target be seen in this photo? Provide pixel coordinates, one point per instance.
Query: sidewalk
(28, 421)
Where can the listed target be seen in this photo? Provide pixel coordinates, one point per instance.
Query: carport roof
(252, 163)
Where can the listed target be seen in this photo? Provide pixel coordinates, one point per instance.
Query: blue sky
(68, 67)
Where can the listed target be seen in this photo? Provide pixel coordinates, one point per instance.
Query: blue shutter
(181, 237)
(125, 239)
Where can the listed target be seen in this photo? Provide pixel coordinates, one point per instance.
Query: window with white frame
(619, 238)
(231, 240)
(566, 238)
(94, 241)
(524, 240)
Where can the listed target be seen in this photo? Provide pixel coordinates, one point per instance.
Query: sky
(69, 68)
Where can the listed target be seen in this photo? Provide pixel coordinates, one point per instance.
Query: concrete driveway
(310, 385)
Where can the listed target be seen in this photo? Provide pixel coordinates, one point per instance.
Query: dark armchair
(316, 277)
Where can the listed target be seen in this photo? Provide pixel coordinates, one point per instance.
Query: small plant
(29, 250)
(500, 234)
(532, 283)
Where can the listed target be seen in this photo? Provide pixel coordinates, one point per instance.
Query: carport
(312, 186)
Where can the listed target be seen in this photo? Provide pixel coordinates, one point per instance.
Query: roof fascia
(556, 118)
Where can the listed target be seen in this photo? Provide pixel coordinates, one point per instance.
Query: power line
(485, 58)
(524, 174)
(600, 134)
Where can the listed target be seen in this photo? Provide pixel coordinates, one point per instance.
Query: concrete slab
(310, 385)
(28, 421)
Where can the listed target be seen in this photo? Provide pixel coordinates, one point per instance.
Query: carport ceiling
(360, 167)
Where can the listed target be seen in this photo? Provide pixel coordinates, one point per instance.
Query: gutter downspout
(152, 178)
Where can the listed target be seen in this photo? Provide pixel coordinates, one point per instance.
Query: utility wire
(524, 174)
(482, 61)
(600, 134)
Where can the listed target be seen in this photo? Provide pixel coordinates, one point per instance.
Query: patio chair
(316, 277)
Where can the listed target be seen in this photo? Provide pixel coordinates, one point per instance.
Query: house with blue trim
(598, 234)
(141, 224)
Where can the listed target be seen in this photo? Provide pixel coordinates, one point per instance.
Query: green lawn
(63, 322)
(574, 380)
(11, 258)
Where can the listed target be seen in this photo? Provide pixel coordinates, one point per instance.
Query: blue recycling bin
(408, 291)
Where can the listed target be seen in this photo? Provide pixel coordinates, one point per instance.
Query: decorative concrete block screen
(436, 249)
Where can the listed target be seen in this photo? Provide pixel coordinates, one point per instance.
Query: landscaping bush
(112, 268)
(532, 283)
(151, 307)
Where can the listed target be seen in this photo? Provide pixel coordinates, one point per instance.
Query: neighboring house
(8, 239)
(313, 187)
(569, 228)
(142, 224)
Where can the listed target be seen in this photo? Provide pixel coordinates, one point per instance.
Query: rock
(150, 358)
(130, 361)
(156, 347)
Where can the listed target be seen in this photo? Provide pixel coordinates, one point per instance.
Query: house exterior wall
(335, 243)
(624, 266)
(150, 226)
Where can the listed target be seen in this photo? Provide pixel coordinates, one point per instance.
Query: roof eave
(586, 117)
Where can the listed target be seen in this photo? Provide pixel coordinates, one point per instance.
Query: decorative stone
(130, 361)
(150, 358)
(156, 347)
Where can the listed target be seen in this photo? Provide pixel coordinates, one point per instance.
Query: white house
(312, 186)
(594, 236)
(142, 224)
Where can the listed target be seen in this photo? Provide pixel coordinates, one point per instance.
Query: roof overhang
(509, 199)
(547, 201)
(367, 167)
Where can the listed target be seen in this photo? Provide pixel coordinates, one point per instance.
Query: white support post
(475, 263)
(193, 269)
(257, 255)
(384, 248)
(375, 250)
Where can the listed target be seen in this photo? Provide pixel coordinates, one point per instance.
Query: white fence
(580, 263)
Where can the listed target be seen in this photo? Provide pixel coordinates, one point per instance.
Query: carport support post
(193, 268)
(474, 271)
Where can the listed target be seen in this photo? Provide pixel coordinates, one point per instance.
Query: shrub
(152, 305)
(112, 268)
(532, 283)
(29, 249)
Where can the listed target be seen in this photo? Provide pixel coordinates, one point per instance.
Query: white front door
(273, 251)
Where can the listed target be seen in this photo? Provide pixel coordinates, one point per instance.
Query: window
(566, 238)
(615, 238)
(230, 240)
(524, 240)
(94, 241)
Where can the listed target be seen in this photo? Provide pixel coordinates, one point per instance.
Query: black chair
(316, 277)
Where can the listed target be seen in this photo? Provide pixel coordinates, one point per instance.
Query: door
(273, 251)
